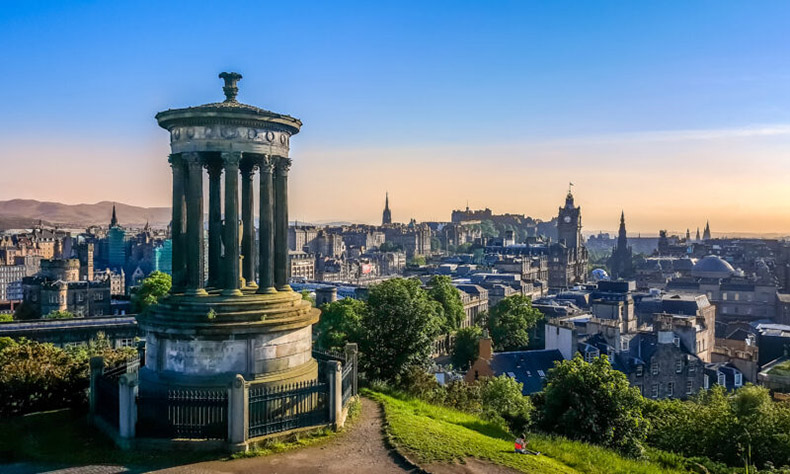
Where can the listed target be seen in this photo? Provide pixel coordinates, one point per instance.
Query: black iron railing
(348, 385)
(193, 414)
(283, 408)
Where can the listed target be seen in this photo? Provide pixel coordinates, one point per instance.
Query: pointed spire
(622, 217)
(114, 219)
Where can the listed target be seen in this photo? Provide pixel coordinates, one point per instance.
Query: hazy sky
(673, 111)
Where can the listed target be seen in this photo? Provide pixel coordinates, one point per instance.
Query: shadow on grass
(65, 438)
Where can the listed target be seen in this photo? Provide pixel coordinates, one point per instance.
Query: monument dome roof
(712, 267)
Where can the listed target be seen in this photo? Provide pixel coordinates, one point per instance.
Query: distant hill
(26, 212)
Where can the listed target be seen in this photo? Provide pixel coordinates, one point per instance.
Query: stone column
(194, 237)
(335, 374)
(214, 225)
(248, 223)
(127, 405)
(177, 225)
(231, 281)
(281, 223)
(266, 228)
(238, 414)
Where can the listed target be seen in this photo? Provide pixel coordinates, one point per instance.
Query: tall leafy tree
(399, 329)
(466, 346)
(593, 402)
(341, 322)
(510, 320)
(441, 290)
(152, 289)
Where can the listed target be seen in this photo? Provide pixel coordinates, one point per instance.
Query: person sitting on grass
(521, 445)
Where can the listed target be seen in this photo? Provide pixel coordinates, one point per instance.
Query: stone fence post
(335, 374)
(97, 368)
(127, 405)
(238, 414)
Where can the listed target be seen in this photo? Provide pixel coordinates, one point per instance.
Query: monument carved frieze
(257, 139)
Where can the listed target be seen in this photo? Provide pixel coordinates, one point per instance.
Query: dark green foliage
(417, 261)
(340, 323)
(399, 329)
(441, 290)
(25, 312)
(466, 346)
(488, 229)
(593, 403)
(60, 315)
(6, 318)
(307, 297)
(38, 376)
(502, 400)
(152, 289)
(509, 322)
(746, 427)
(390, 247)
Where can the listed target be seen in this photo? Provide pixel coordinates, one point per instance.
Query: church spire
(114, 219)
(706, 232)
(386, 216)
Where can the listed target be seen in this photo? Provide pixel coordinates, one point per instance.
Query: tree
(399, 329)
(308, 297)
(25, 312)
(466, 346)
(390, 247)
(510, 321)
(436, 244)
(417, 260)
(153, 288)
(340, 323)
(441, 290)
(61, 315)
(502, 398)
(593, 402)
(6, 317)
(488, 229)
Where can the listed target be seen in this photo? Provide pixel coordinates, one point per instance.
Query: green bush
(39, 376)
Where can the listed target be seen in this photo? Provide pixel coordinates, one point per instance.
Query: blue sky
(435, 101)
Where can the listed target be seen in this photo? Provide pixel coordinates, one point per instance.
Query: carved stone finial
(230, 89)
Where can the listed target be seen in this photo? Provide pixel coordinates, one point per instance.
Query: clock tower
(569, 223)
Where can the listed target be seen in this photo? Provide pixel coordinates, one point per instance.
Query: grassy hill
(428, 433)
(81, 215)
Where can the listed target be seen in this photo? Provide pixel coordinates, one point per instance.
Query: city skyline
(652, 111)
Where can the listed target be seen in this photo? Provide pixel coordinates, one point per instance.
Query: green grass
(65, 438)
(429, 433)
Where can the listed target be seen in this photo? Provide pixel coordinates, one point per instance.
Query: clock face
(567, 219)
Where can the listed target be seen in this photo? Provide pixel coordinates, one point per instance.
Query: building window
(738, 379)
(670, 389)
(477, 375)
(692, 368)
(654, 368)
(678, 366)
(126, 342)
(724, 296)
(639, 369)
(625, 344)
(541, 373)
(689, 387)
(706, 382)
(722, 380)
(654, 391)
(98, 296)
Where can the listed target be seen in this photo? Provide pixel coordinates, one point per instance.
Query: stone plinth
(206, 341)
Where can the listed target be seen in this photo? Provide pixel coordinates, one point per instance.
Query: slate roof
(526, 366)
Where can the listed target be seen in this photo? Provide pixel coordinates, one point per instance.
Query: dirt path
(360, 450)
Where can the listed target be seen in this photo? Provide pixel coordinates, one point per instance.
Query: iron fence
(349, 379)
(283, 408)
(195, 414)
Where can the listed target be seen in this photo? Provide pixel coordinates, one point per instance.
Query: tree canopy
(592, 402)
(61, 315)
(152, 289)
(400, 328)
(510, 320)
(466, 346)
(341, 322)
(441, 290)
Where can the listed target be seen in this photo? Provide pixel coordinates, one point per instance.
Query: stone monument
(239, 318)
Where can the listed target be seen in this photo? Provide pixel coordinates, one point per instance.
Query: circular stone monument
(240, 316)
